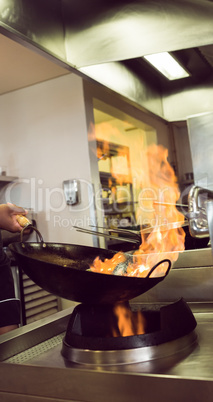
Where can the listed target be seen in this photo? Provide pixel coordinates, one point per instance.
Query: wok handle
(156, 265)
(36, 230)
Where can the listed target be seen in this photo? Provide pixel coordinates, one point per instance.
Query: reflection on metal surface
(38, 22)
(128, 356)
(191, 277)
(193, 100)
(122, 30)
(209, 210)
(198, 200)
(194, 259)
(201, 196)
(109, 31)
(92, 39)
(120, 79)
(200, 137)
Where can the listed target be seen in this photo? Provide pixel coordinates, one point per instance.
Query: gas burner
(93, 337)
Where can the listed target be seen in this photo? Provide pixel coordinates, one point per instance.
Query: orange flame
(128, 322)
(164, 241)
(157, 204)
(108, 265)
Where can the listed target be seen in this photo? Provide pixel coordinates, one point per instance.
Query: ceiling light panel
(167, 65)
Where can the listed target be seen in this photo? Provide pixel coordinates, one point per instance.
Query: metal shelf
(7, 179)
(4, 180)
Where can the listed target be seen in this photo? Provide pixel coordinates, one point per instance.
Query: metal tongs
(134, 236)
(130, 236)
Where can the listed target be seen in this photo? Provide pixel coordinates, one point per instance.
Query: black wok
(44, 264)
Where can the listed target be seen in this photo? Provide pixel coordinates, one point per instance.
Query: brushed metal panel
(121, 80)
(188, 102)
(200, 138)
(39, 22)
(100, 32)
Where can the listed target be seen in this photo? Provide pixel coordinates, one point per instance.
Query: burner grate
(87, 338)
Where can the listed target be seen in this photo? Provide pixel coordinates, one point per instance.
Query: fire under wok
(62, 269)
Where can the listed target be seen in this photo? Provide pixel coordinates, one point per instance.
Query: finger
(17, 210)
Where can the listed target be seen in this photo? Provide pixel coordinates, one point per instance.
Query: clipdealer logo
(32, 193)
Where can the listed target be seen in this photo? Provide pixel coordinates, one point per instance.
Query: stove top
(32, 366)
(185, 373)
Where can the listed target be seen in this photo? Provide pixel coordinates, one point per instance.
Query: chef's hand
(8, 217)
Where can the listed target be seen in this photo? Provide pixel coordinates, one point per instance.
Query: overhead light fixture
(167, 65)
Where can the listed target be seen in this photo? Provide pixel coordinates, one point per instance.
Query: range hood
(105, 41)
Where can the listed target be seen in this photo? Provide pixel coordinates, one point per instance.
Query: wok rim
(91, 248)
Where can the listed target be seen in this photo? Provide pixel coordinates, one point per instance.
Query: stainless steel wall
(191, 278)
(90, 38)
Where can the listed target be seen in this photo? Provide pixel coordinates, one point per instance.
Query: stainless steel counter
(33, 369)
(40, 371)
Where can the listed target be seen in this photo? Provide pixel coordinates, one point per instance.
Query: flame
(163, 241)
(128, 322)
(108, 265)
(158, 212)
